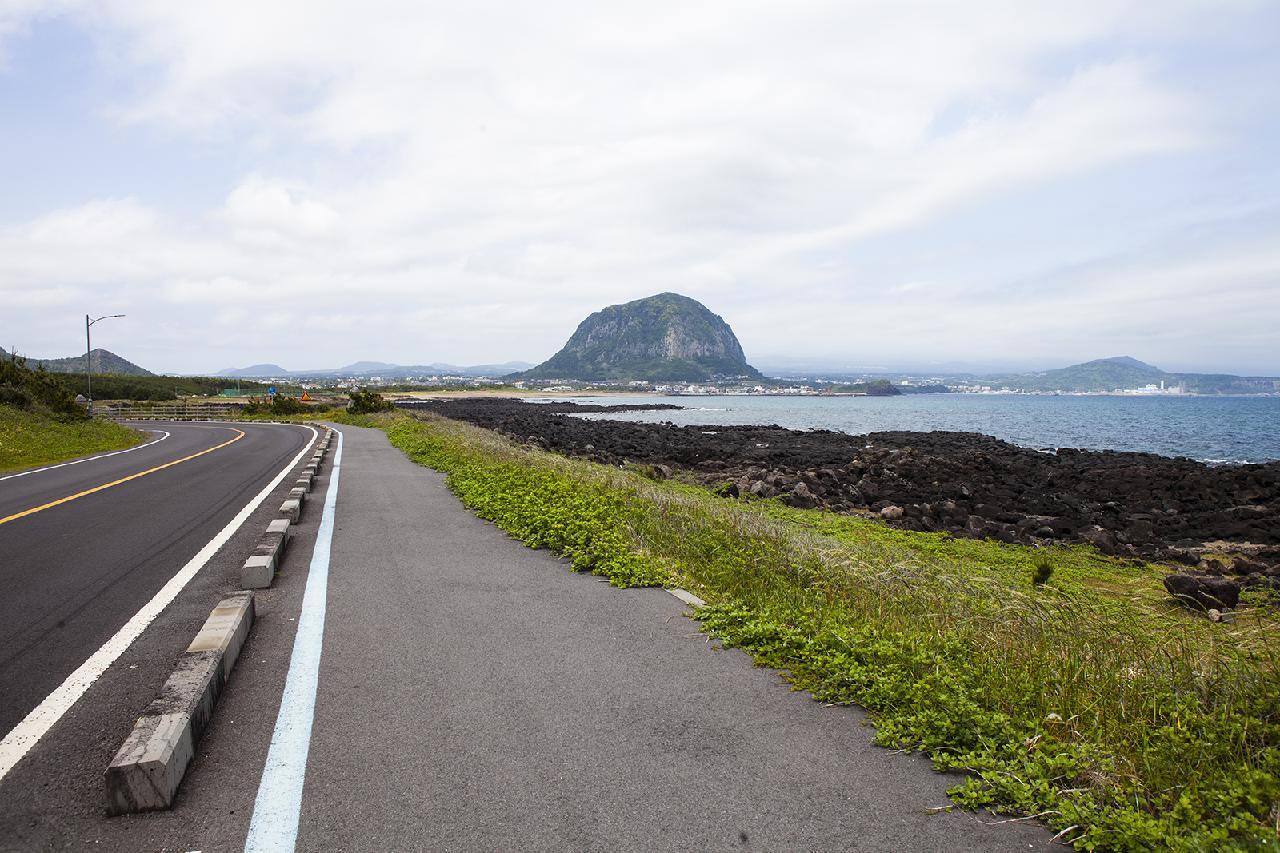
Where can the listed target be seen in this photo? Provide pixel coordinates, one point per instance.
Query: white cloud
(262, 211)
(433, 181)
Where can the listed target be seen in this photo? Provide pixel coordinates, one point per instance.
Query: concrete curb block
(260, 569)
(148, 768)
(305, 482)
(291, 509)
(687, 597)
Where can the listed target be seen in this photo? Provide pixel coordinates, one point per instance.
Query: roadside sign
(272, 390)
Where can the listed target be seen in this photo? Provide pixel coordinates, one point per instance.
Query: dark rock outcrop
(1126, 504)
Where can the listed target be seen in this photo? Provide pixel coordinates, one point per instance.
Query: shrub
(1041, 570)
(37, 390)
(366, 402)
(284, 405)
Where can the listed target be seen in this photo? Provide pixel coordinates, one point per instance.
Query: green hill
(1103, 374)
(1120, 372)
(104, 361)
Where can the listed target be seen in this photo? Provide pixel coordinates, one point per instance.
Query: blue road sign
(272, 390)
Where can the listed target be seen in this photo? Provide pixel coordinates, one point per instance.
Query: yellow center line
(68, 498)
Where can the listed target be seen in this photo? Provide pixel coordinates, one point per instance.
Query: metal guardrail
(175, 412)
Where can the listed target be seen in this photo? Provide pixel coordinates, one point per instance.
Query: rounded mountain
(663, 338)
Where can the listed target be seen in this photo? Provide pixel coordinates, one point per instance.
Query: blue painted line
(274, 827)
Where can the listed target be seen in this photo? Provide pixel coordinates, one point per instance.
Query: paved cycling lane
(477, 695)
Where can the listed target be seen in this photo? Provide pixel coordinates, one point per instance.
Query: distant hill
(1103, 374)
(359, 367)
(379, 368)
(104, 361)
(1123, 372)
(256, 370)
(667, 337)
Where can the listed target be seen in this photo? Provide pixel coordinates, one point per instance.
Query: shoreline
(1222, 520)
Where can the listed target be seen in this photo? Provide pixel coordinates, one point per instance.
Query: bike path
(477, 695)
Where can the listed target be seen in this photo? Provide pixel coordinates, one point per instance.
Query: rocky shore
(1223, 523)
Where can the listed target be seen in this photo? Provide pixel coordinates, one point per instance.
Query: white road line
(89, 458)
(277, 809)
(36, 724)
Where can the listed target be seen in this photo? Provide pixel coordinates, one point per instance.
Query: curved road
(84, 546)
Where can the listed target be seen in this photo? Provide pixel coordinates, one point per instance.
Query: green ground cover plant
(1064, 683)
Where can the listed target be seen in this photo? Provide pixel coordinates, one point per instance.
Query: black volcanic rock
(667, 337)
(967, 484)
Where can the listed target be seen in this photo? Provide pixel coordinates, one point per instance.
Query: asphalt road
(74, 572)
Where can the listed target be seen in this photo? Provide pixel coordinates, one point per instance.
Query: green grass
(1087, 700)
(28, 439)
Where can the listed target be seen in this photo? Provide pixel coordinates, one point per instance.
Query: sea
(1215, 430)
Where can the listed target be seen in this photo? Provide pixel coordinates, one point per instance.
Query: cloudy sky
(867, 183)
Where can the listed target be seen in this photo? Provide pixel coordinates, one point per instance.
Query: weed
(1041, 570)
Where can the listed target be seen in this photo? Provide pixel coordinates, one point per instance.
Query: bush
(284, 405)
(281, 405)
(1041, 570)
(37, 390)
(365, 402)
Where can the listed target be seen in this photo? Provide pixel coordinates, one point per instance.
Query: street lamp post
(88, 354)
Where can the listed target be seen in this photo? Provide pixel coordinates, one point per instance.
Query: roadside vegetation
(1062, 682)
(160, 388)
(281, 406)
(41, 422)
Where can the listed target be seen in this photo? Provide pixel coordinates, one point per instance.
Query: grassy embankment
(1087, 700)
(28, 439)
(41, 422)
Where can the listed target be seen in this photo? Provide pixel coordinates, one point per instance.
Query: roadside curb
(260, 568)
(146, 771)
(686, 596)
(149, 767)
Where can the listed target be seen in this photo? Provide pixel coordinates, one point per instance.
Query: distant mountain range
(1125, 372)
(104, 361)
(376, 368)
(1104, 374)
